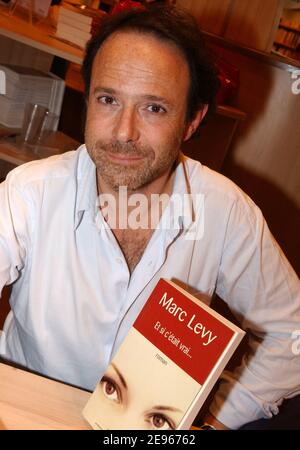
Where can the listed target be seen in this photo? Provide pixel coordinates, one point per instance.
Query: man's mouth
(124, 158)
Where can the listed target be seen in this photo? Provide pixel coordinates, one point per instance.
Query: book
(76, 25)
(72, 38)
(64, 28)
(166, 366)
(81, 13)
(74, 15)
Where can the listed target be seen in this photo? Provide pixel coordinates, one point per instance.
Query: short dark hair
(171, 24)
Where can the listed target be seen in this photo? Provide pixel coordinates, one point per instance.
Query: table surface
(15, 153)
(32, 402)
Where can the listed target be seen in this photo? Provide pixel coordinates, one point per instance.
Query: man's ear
(192, 126)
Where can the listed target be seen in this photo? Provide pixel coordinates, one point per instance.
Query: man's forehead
(140, 35)
(143, 44)
(143, 57)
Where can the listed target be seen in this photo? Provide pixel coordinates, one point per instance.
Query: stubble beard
(138, 174)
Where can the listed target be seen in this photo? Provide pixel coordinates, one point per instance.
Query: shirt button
(150, 263)
(119, 260)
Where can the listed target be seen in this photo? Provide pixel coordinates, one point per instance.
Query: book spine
(72, 38)
(63, 28)
(74, 15)
(74, 24)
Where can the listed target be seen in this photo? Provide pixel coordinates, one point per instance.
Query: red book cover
(166, 366)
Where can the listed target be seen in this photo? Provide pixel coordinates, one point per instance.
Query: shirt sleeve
(262, 290)
(14, 230)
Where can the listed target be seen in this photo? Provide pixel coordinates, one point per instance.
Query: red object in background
(126, 4)
(229, 76)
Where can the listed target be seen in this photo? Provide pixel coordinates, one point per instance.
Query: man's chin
(131, 186)
(134, 178)
(130, 183)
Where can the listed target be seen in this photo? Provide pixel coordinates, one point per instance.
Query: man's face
(136, 109)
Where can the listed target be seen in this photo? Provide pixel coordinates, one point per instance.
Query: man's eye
(160, 422)
(106, 99)
(110, 390)
(156, 109)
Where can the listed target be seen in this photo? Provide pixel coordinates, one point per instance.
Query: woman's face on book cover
(138, 391)
(139, 410)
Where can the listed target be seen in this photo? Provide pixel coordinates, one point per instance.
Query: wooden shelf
(289, 47)
(267, 58)
(73, 77)
(40, 36)
(286, 27)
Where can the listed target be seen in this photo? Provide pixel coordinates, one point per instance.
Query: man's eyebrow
(119, 375)
(104, 89)
(148, 97)
(156, 98)
(166, 408)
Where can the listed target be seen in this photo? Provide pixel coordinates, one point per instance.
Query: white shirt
(73, 300)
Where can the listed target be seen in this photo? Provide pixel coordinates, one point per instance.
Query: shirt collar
(182, 197)
(86, 192)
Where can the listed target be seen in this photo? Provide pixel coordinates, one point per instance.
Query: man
(81, 265)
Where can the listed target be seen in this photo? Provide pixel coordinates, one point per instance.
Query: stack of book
(287, 41)
(26, 85)
(78, 23)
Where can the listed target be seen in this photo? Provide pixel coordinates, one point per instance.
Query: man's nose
(126, 127)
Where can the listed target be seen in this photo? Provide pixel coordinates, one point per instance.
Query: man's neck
(133, 219)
